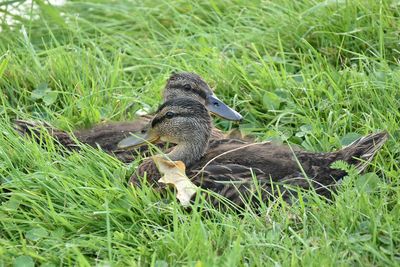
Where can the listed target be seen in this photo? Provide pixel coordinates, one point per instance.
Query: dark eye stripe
(181, 102)
(162, 118)
(198, 92)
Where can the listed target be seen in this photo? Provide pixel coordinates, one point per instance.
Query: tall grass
(312, 73)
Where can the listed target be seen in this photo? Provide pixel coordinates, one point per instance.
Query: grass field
(313, 73)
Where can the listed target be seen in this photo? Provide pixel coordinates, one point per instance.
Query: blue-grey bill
(135, 140)
(219, 108)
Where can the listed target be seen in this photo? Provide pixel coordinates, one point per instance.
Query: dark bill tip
(219, 108)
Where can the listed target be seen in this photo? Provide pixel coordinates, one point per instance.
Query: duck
(235, 168)
(108, 135)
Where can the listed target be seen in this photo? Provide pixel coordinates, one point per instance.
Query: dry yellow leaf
(174, 174)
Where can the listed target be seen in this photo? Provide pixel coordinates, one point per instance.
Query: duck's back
(270, 160)
(231, 166)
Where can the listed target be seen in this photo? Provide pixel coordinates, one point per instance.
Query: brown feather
(231, 174)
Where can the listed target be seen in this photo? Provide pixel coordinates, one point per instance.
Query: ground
(313, 73)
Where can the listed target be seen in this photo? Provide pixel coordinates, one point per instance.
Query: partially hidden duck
(108, 135)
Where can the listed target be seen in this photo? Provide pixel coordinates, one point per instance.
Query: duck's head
(181, 121)
(191, 85)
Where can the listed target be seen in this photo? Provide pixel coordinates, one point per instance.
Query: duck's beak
(219, 108)
(139, 138)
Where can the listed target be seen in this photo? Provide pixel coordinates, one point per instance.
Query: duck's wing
(233, 167)
(108, 135)
(35, 129)
(103, 135)
(275, 161)
(244, 185)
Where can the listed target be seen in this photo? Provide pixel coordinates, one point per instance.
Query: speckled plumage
(228, 166)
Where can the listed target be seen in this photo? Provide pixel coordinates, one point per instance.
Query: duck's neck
(190, 151)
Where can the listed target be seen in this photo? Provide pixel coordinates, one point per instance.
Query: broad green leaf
(349, 138)
(161, 263)
(13, 203)
(40, 91)
(36, 234)
(283, 94)
(368, 182)
(356, 238)
(271, 101)
(50, 97)
(385, 238)
(58, 233)
(306, 128)
(24, 261)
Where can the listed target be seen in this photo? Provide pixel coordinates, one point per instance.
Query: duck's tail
(362, 151)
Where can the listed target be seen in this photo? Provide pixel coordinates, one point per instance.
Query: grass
(311, 73)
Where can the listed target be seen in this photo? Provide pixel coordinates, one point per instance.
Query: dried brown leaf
(174, 174)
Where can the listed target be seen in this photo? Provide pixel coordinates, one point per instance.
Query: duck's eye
(187, 87)
(169, 115)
